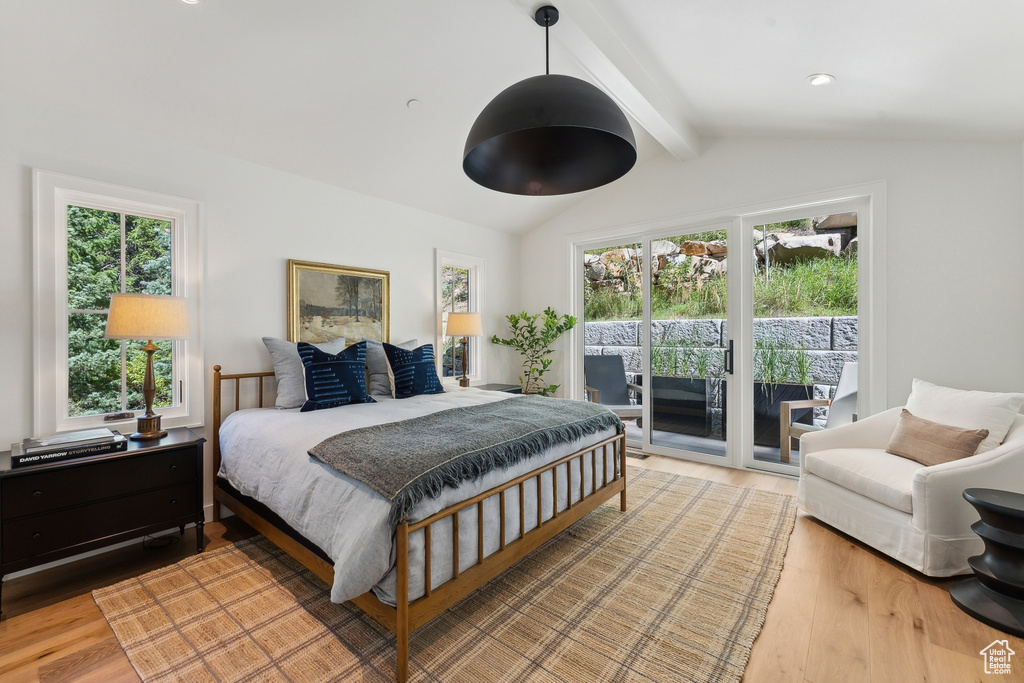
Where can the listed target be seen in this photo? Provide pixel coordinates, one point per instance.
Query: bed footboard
(407, 616)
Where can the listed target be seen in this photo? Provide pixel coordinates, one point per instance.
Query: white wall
(955, 266)
(253, 219)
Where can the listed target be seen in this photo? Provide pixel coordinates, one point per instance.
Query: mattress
(264, 455)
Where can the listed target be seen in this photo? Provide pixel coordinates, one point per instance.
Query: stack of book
(66, 446)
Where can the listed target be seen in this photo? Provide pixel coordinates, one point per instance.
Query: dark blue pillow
(413, 371)
(333, 380)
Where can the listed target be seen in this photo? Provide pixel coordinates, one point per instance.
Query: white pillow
(291, 376)
(966, 409)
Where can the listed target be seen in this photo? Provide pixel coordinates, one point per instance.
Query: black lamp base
(148, 429)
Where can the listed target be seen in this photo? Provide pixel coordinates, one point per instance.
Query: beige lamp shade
(464, 325)
(147, 316)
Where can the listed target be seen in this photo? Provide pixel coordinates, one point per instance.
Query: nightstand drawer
(74, 485)
(32, 536)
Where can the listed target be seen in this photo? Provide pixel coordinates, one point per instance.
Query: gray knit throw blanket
(405, 461)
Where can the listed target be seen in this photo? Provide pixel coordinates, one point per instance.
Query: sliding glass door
(613, 306)
(735, 336)
(804, 282)
(687, 354)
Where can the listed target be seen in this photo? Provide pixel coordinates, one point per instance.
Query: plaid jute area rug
(675, 589)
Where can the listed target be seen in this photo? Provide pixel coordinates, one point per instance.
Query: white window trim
(51, 193)
(475, 265)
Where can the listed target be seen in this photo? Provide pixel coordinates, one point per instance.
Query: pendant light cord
(547, 46)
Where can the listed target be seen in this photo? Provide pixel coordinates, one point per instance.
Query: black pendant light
(549, 135)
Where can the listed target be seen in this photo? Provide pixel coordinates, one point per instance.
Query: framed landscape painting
(326, 302)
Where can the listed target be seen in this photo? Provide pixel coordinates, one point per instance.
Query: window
(458, 279)
(93, 240)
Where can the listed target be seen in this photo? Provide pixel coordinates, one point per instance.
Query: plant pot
(680, 405)
(767, 407)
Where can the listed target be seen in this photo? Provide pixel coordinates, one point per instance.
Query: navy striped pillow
(413, 371)
(333, 380)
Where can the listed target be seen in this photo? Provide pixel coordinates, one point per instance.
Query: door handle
(729, 358)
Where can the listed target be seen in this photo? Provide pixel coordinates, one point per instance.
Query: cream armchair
(913, 513)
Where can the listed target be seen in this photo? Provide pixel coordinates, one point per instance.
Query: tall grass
(809, 288)
(606, 304)
(821, 287)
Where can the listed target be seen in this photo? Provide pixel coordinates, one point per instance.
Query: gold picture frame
(326, 302)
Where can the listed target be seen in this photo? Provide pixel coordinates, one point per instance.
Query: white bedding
(264, 456)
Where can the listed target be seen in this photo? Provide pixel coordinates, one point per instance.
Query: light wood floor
(841, 612)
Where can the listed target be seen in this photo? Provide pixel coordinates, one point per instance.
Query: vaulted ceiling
(320, 88)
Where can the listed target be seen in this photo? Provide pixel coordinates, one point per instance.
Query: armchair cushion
(931, 443)
(870, 472)
(967, 409)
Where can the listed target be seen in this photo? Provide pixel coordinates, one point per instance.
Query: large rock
(836, 220)
(784, 248)
(702, 269)
(593, 268)
(662, 253)
(664, 248)
(717, 249)
(618, 262)
(691, 248)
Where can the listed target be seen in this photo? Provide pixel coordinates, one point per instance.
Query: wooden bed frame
(408, 616)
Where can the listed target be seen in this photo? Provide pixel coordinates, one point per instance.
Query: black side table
(995, 595)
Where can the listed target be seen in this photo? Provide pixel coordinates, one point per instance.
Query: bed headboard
(253, 397)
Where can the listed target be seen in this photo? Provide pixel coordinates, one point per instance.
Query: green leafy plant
(532, 336)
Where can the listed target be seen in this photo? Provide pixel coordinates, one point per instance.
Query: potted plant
(679, 390)
(785, 376)
(533, 336)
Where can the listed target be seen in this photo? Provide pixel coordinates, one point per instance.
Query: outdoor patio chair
(842, 409)
(605, 383)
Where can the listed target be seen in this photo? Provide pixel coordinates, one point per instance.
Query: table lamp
(464, 325)
(147, 316)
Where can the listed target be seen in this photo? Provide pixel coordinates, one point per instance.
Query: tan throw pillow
(931, 443)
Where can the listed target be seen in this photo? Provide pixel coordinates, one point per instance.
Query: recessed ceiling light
(413, 104)
(191, 2)
(821, 79)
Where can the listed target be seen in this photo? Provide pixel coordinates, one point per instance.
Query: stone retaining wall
(828, 341)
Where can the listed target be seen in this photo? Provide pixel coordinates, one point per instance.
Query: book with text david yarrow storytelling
(66, 446)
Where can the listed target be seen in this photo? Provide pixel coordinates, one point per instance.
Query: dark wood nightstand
(507, 388)
(55, 510)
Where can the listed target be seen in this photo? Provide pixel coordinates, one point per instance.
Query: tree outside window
(455, 298)
(109, 252)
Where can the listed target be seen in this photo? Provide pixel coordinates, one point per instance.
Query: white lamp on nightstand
(464, 325)
(147, 316)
